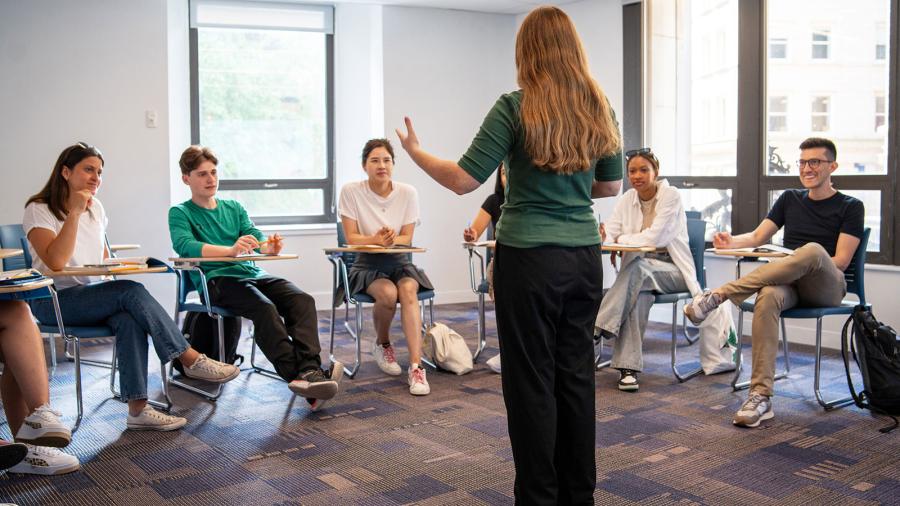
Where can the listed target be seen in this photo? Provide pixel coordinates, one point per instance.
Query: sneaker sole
(51, 439)
(691, 317)
(44, 471)
(158, 428)
(765, 416)
(226, 379)
(629, 388)
(323, 390)
(391, 372)
(337, 376)
(420, 393)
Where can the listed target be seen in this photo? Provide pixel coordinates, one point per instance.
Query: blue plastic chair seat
(367, 299)
(196, 307)
(80, 332)
(670, 298)
(846, 308)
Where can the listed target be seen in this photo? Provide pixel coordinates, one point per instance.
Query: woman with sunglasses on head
(66, 226)
(561, 146)
(489, 213)
(649, 214)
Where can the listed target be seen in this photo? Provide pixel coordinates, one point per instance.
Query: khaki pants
(806, 278)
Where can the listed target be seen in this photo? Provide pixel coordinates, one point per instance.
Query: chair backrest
(855, 274)
(697, 243)
(693, 215)
(11, 237)
(348, 258)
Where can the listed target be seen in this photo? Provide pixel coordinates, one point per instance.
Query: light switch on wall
(150, 119)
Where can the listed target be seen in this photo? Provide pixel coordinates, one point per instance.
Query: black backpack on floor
(875, 348)
(200, 331)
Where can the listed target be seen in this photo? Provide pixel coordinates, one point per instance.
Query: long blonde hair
(566, 116)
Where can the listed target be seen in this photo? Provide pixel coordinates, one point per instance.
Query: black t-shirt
(491, 206)
(820, 221)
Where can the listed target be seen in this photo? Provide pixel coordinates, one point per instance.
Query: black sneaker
(314, 384)
(336, 373)
(628, 381)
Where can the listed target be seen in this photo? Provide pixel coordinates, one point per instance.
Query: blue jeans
(132, 313)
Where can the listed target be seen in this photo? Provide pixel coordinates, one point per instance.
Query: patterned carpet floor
(671, 443)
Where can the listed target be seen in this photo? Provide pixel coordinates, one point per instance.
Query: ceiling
(494, 6)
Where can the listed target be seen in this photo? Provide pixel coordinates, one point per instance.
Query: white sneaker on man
(756, 408)
(207, 369)
(151, 419)
(701, 305)
(46, 460)
(418, 384)
(494, 363)
(336, 374)
(386, 359)
(43, 428)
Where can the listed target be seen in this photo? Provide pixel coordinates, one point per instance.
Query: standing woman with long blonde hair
(560, 144)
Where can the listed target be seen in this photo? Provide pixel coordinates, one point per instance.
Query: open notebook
(765, 248)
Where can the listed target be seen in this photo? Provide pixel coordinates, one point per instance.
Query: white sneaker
(386, 359)
(700, 306)
(46, 460)
(755, 409)
(151, 419)
(207, 369)
(43, 428)
(418, 384)
(494, 363)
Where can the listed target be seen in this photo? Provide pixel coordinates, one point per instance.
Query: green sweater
(541, 207)
(192, 226)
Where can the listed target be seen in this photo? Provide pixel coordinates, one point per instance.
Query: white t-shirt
(90, 241)
(372, 211)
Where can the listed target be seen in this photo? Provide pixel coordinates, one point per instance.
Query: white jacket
(668, 230)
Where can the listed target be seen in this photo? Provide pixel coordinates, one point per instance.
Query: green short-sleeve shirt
(541, 207)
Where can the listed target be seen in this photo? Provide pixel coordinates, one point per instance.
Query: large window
(261, 99)
(727, 130)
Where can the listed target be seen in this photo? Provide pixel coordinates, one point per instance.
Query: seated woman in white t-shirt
(385, 212)
(66, 226)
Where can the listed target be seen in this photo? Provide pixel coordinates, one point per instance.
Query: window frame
(326, 185)
(826, 44)
(751, 184)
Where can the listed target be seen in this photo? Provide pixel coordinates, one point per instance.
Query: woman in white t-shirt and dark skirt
(66, 226)
(381, 211)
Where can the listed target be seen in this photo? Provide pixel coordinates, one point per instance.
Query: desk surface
(9, 252)
(629, 249)
(106, 272)
(41, 283)
(374, 250)
(123, 247)
(748, 254)
(253, 258)
(480, 244)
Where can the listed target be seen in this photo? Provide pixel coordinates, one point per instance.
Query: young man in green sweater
(284, 317)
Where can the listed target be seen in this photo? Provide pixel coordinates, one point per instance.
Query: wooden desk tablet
(9, 252)
(105, 271)
(376, 251)
(182, 262)
(26, 287)
(123, 247)
(624, 248)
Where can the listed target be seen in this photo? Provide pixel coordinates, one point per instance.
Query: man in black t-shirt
(823, 227)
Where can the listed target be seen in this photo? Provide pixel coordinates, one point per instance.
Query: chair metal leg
(62, 332)
(684, 330)
(51, 341)
(210, 395)
(482, 334)
(743, 385)
(259, 369)
(686, 376)
(835, 403)
(431, 313)
(598, 356)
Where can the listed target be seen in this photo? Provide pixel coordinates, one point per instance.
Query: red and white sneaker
(418, 384)
(386, 359)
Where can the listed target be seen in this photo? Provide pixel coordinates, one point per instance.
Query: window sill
(304, 229)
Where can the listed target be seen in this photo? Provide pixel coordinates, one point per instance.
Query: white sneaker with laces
(418, 384)
(207, 369)
(47, 461)
(755, 409)
(494, 363)
(700, 306)
(151, 419)
(43, 428)
(386, 359)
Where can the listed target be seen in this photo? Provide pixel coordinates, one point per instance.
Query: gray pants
(626, 307)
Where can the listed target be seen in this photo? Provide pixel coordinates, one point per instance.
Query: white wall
(88, 71)
(444, 69)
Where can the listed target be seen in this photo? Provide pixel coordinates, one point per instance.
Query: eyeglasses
(812, 162)
(642, 151)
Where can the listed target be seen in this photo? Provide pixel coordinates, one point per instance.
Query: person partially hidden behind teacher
(824, 227)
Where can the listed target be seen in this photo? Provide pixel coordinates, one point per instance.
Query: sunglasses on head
(635, 152)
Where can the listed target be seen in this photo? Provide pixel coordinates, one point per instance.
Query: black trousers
(284, 319)
(546, 299)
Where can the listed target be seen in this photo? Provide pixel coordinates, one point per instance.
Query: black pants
(546, 299)
(284, 319)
